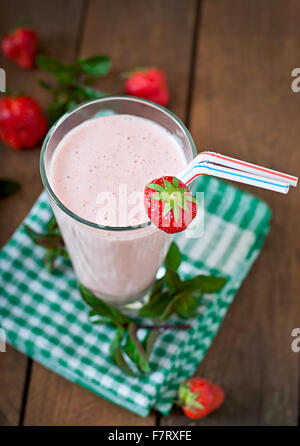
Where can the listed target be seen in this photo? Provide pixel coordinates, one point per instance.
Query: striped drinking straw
(215, 164)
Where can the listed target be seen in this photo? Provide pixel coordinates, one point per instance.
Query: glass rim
(51, 131)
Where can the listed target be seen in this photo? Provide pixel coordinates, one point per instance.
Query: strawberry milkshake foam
(99, 171)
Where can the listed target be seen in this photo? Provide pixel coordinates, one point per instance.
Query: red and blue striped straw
(215, 164)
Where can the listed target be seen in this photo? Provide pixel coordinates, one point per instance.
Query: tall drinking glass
(118, 264)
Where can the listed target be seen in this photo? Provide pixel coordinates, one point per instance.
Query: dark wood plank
(143, 34)
(243, 106)
(55, 22)
(133, 33)
(54, 401)
(12, 381)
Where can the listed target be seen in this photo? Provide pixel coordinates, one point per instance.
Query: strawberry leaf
(156, 187)
(168, 184)
(155, 197)
(190, 198)
(175, 182)
(167, 209)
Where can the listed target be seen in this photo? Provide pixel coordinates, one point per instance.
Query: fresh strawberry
(21, 47)
(22, 123)
(199, 397)
(150, 84)
(169, 204)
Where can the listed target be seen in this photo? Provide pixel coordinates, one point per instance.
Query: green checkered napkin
(44, 316)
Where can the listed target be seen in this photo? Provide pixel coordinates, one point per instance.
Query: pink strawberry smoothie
(99, 171)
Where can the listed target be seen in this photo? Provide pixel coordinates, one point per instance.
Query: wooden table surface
(229, 64)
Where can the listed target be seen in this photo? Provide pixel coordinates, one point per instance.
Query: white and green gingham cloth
(44, 316)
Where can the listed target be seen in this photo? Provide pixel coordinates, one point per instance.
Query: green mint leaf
(84, 92)
(52, 224)
(205, 284)
(120, 361)
(95, 66)
(116, 340)
(135, 350)
(8, 188)
(173, 258)
(101, 307)
(70, 105)
(116, 352)
(185, 304)
(172, 281)
(49, 63)
(49, 241)
(169, 310)
(157, 187)
(52, 255)
(55, 110)
(49, 259)
(150, 340)
(96, 319)
(157, 287)
(156, 306)
(67, 75)
(49, 87)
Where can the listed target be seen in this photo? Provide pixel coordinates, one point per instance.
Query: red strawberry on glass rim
(169, 204)
(22, 123)
(199, 397)
(21, 47)
(148, 83)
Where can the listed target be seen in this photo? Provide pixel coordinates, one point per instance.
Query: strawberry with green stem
(199, 397)
(169, 204)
